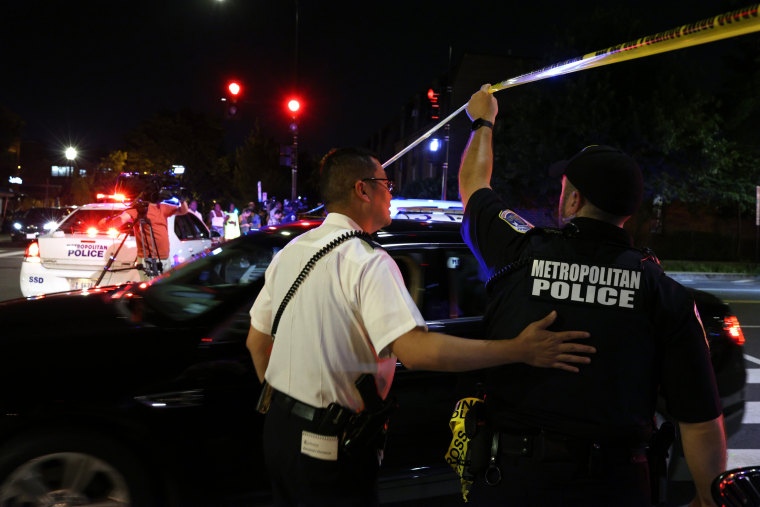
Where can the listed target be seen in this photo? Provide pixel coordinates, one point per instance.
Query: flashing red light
(733, 329)
(33, 250)
(234, 88)
(294, 105)
(432, 95)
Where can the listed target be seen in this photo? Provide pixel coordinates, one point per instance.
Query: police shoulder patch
(515, 221)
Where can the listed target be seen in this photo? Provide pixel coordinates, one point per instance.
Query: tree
(259, 160)
(185, 138)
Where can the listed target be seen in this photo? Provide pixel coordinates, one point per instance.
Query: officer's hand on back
(547, 349)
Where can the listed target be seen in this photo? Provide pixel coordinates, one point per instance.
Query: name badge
(324, 447)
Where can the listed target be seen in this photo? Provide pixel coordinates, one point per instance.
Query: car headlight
(17, 226)
(48, 226)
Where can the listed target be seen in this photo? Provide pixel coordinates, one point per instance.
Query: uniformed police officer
(561, 439)
(352, 315)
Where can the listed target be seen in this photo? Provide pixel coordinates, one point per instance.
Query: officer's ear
(360, 189)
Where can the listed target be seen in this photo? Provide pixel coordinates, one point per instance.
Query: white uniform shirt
(350, 308)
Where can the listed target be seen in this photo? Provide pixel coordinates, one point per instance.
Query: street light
(71, 153)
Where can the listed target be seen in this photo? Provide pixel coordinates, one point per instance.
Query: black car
(28, 225)
(145, 393)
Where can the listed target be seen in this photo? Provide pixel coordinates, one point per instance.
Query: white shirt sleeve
(387, 309)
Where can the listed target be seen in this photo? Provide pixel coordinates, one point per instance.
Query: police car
(72, 256)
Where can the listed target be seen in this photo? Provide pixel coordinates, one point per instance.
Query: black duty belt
(546, 446)
(298, 408)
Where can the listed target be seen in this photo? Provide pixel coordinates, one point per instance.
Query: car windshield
(41, 215)
(83, 221)
(227, 275)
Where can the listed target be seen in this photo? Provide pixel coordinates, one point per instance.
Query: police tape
(457, 456)
(723, 26)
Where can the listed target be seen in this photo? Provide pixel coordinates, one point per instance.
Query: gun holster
(368, 427)
(657, 454)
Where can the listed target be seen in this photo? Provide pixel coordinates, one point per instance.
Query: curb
(691, 275)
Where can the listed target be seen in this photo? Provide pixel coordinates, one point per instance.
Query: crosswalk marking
(751, 359)
(751, 412)
(742, 458)
(753, 375)
(11, 254)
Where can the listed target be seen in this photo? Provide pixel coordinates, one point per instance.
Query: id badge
(324, 447)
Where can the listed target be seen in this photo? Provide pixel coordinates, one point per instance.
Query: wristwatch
(480, 122)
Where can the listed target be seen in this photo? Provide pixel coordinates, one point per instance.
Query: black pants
(300, 480)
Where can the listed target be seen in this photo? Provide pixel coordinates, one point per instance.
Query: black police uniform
(568, 436)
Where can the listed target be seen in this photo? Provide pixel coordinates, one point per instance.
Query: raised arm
(535, 345)
(477, 161)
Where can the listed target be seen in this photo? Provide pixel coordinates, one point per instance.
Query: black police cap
(607, 177)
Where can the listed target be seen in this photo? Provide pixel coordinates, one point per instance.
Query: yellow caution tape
(457, 456)
(723, 26)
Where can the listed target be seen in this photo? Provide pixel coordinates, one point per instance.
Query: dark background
(85, 73)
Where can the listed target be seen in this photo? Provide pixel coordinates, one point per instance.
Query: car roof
(104, 205)
(399, 231)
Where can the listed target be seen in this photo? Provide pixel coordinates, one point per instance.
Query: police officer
(352, 315)
(559, 439)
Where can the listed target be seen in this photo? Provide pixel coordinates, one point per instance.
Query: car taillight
(733, 329)
(32, 251)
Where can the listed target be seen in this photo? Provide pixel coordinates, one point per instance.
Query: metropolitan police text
(583, 283)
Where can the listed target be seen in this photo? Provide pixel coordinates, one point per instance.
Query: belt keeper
(493, 473)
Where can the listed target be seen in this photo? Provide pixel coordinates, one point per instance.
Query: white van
(72, 256)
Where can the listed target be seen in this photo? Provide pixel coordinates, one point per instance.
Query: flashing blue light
(434, 144)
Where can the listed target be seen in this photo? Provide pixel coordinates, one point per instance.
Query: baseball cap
(607, 177)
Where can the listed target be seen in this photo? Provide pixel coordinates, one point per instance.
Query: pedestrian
(216, 219)
(352, 315)
(231, 223)
(559, 439)
(193, 208)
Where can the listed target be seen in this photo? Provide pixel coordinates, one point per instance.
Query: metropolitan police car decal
(85, 249)
(515, 221)
(602, 286)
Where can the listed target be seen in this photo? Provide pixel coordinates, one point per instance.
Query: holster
(657, 454)
(265, 398)
(367, 428)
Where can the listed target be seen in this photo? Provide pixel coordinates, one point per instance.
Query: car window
(82, 220)
(199, 230)
(188, 226)
(205, 283)
(445, 283)
(182, 229)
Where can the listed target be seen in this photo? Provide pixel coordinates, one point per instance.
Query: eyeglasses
(388, 182)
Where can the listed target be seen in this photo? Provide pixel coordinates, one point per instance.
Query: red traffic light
(294, 105)
(234, 88)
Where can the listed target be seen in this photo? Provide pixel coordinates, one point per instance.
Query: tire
(71, 468)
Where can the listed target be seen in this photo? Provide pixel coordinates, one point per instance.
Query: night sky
(85, 73)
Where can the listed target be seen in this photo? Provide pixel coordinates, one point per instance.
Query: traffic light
(231, 107)
(435, 107)
(294, 106)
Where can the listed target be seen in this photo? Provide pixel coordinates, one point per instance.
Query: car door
(444, 281)
(191, 235)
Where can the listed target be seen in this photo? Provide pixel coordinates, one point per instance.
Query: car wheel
(70, 469)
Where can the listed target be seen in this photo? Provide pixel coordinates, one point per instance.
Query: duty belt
(297, 408)
(554, 447)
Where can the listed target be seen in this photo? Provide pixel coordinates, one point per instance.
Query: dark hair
(340, 168)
